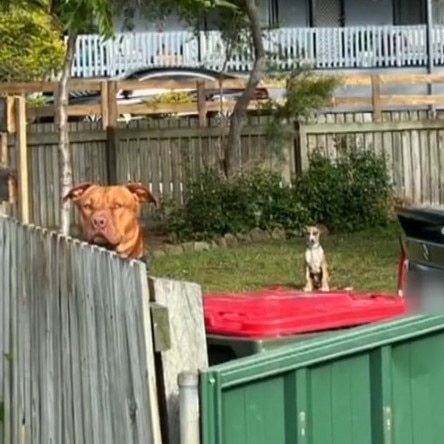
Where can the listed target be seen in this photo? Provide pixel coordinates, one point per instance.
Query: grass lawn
(365, 261)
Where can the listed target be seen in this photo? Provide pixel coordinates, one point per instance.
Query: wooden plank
(30, 87)
(424, 165)
(412, 100)
(22, 149)
(51, 138)
(376, 97)
(416, 166)
(113, 141)
(104, 104)
(406, 165)
(228, 105)
(398, 149)
(7, 277)
(201, 104)
(441, 166)
(434, 167)
(188, 342)
(411, 79)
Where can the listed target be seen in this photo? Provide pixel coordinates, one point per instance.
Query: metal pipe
(188, 383)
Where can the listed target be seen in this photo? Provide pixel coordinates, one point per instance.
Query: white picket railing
(324, 48)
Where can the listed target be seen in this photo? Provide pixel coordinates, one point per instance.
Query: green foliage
(36, 101)
(346, 194)
(215, 205)
(32, 47)
(306, 93)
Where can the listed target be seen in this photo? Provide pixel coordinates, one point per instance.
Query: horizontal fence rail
(356, 92)
(323, 48)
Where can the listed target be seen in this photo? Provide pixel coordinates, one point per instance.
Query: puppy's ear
(142, 193)
(75, 193)
(322, 229)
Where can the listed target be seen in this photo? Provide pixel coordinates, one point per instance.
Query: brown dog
(316, 269)
(109, 215)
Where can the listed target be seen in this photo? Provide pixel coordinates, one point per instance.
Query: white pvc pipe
(188, 383)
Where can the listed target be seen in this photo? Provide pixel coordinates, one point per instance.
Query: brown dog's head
(108, 215)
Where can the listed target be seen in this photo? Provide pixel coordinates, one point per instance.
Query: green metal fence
(379, 384)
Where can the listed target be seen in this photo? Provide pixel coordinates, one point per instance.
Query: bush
(346, 194)
(215, 206)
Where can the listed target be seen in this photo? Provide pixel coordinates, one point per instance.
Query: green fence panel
(378, 384)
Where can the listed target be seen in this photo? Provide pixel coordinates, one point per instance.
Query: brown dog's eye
(116, 206)
(87, 207)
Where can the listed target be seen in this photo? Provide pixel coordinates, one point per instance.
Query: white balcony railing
(324, 48)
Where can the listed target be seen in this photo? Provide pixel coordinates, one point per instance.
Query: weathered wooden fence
(165, 155)
(76, 343)
(77, 360)
(412, 149)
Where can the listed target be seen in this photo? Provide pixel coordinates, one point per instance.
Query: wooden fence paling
(76, 343)
(376, 98)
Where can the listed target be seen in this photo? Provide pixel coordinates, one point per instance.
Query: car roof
(142, 72)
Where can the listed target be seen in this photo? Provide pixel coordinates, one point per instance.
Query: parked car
(421, 265)
(167, 74)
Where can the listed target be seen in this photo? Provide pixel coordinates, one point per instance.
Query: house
(329, 34)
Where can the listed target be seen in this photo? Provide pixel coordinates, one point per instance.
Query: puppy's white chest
(314, 258)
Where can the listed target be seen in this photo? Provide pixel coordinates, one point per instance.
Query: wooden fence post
(188, 347)
(303, 149)
(22, 150)
(111, 129)
(376, 97)
(6, 177)
(201, 103)
(104, 104)
(112, 103)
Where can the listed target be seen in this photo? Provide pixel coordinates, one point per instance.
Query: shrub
(215, 206)
(170, 97)
(348, 193)
(345, 194)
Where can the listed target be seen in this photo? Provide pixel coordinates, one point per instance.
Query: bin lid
(282, 311)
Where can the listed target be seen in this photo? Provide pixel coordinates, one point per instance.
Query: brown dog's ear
(76, 192)
(142, 193)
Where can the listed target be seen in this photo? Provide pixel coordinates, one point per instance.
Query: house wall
(141, 24)
(368, 12)
(438, 11)
(295, 13)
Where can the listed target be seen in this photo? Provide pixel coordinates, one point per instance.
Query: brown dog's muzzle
(102, 231)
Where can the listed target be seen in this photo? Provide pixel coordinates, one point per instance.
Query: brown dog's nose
(99, 222)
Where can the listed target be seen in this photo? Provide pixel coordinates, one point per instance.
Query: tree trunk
(62, 124)
(237, 119)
